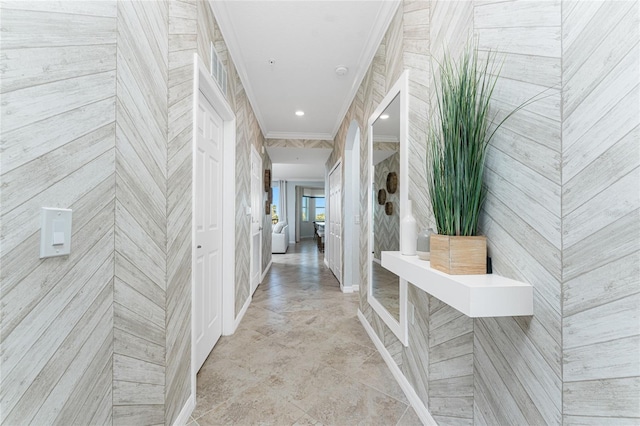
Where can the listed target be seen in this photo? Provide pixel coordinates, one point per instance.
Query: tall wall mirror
(387, 293)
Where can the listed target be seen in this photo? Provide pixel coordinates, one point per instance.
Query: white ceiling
(307, 39)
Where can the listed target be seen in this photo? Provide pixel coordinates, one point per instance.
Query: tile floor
(299, 357)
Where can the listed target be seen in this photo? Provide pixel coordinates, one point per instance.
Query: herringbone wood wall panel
(97, 117)
(562, 211)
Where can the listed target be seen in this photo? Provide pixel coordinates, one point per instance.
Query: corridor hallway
(300, 356)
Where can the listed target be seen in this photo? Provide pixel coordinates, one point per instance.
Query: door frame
(203, 82)
(259, 215)
(351, 187)
(328, 245)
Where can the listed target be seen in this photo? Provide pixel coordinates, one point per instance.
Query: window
(305, 209)
(275, 205)
(319, 209)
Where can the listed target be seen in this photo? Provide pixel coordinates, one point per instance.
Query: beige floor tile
(356, 403)
(410, 418)
(192, 422)
(305, 384)
(307, 420)
(255, 405)
(375, 373)
(343, 355)
(219, 381)
(300, 356)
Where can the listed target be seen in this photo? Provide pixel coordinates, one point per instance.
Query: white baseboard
(185, 413)
(264, 274)
(417, 404)
(354, 288)
(326, 262)
(238, 319)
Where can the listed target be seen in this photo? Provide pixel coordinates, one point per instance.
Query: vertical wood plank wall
(562, 212)
(102, 336)
(58, 91)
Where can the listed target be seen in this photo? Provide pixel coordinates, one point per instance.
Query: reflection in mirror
(386, 228)
(387, 146)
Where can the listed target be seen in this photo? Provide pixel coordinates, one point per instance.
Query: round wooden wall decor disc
(382, 196)
(388, 208)
(392, 182)
(267, 180)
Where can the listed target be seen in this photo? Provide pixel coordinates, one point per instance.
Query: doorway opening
(207, 96)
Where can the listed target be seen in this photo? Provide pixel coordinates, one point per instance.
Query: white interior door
(335, 224)
(208, 230)
(257, 212)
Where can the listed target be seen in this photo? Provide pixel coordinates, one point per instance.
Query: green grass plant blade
(458, 141)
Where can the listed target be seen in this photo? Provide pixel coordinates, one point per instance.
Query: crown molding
(221, 14)
(293, 135)
(381, 24)
(385, 138)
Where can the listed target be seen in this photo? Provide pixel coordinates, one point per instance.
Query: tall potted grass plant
(458, 141)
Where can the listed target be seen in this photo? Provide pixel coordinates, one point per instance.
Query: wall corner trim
(266, 270)
(185, 413)
(412, 396)
(238, 319)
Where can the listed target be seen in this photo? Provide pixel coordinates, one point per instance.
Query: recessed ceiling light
(384, 116)
(299, 113)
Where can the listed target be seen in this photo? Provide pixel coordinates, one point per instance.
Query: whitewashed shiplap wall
(181, 47)
(58, 91)
(101, 336)
(141, 222)
(601, 212)
(517, 361)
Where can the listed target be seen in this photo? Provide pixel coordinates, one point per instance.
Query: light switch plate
(55, 232)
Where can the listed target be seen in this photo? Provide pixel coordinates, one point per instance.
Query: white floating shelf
(476, 296)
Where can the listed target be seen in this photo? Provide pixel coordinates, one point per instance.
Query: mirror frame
(400, 88)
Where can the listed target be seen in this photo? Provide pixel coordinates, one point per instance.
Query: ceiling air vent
(218, 71)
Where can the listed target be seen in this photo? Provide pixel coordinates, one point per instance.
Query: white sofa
(280, 239)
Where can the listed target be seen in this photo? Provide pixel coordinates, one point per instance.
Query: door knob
(199, 246)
